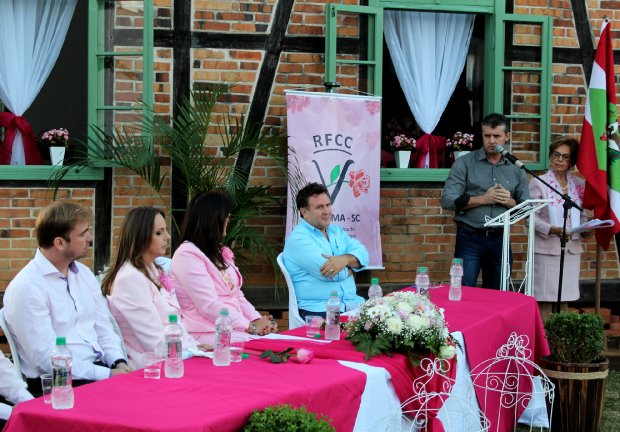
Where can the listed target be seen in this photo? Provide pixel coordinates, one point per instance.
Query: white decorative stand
(57, 155)
(402, 158)
(509, 217)
(458, 154)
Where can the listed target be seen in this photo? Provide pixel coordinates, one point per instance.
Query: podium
(511, 216)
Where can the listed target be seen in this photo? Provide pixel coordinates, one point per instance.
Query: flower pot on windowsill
(402, 158)
(57, 155)
(459, 153)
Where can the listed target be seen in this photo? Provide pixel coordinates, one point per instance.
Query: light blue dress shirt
(303, 258)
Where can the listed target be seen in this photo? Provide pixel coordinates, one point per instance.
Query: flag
(599, 155)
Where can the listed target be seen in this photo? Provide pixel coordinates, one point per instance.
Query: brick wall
(19, 208)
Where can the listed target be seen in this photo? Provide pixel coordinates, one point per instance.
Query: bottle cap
(317, 335)
(172, 318)
(334, 293)
(374, 281)
(224, 311)
(422, 269)
(245, 355)
(457, 261)
(61, 340)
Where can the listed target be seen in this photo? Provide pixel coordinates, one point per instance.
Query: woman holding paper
(548, 226)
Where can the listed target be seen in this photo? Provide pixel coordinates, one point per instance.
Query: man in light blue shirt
(319, 256)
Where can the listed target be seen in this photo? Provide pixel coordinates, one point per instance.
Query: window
(508, 69)
(117, 60)
(120, 63)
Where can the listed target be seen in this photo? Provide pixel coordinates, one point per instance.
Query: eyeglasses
(558, 155)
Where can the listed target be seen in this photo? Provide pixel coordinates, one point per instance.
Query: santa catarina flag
(599, 155)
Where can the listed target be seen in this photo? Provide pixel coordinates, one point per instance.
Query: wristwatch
(117, 362)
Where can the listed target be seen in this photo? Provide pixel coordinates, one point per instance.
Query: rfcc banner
(335, 140)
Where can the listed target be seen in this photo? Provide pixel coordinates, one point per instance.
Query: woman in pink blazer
(140, 295)
(207, 277)
(548, 226)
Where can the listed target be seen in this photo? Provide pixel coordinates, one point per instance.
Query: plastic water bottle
(422, 281)
(62, 390)
(456, 274)
(173, 334)
(374, 290)
(223, 331)
(332, 324)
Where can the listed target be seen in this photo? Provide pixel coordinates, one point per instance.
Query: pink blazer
(202, 291)
(141, 312)
(543, 242)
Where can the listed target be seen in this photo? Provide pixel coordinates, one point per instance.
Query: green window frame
(101, 83)
(494, 69)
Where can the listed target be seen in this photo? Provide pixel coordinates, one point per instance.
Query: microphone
(500, 149)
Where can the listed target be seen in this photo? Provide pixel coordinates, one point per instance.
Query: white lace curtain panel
(31, 36)
(428, 51)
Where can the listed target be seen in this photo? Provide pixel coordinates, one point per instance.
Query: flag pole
(597, 282)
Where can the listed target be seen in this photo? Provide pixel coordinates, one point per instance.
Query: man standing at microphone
(481, 186)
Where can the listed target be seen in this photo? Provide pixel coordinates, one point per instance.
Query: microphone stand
(568, 204)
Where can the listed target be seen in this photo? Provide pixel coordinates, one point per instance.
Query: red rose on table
(359, 182)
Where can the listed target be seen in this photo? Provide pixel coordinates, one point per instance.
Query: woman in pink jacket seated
(140, 295)
(206, 275)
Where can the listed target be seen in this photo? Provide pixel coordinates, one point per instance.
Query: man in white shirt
(12, 388)
(54, 295)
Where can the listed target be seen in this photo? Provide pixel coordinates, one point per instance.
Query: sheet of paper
(594, 223)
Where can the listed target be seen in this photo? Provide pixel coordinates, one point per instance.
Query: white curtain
(32, 33)
(428, 51)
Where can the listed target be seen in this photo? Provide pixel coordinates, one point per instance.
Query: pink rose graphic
(359, 181)
(373, 107)
(298, 103)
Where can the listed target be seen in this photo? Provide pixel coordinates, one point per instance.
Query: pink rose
(304, 355)
(166, 282)
(227, 254)
(359, 181)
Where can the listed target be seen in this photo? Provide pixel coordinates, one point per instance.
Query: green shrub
(286, 418)
(575, 338)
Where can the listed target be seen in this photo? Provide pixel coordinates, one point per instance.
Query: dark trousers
(303, 313)
(480, 251)
(34, 385)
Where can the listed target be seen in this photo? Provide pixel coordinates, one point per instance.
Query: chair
(456, 413)
(9, 338)
(294, 319)
(518, 383)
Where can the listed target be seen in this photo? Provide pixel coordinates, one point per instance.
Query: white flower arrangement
(403, 322)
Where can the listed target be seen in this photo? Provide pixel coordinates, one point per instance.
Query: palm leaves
(199, 167)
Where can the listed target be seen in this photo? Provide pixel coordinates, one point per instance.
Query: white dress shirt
(12, 387)
(41, 304)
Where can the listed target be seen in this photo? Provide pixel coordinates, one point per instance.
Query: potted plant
(460, 143)
(287, 417)
(402, 145)
(578, 371)
(143, 148)
(57, 141)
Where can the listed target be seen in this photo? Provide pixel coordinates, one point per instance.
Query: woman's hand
(205, 347)
(263, 325)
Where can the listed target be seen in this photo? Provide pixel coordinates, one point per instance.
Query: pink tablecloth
(486, 319)
(207, 398)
